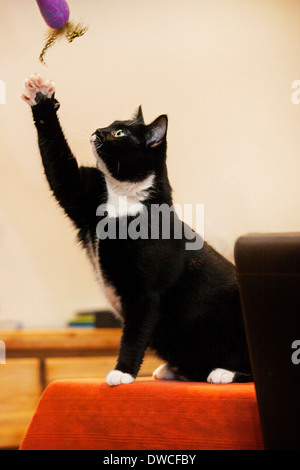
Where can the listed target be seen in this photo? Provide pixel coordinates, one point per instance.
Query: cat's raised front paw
(37, 89)
(116, 377)
(220, 376)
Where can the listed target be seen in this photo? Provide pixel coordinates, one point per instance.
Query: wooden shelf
(65, 340)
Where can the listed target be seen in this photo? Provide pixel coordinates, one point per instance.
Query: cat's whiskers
(85, 131)
(97, 142)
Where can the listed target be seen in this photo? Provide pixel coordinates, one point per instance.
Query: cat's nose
(97, 136)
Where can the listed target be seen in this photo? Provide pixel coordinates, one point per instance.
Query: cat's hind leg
(224, 376)
(166, 372)
(218, 376)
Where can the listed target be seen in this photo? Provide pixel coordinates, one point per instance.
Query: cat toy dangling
(56, 14)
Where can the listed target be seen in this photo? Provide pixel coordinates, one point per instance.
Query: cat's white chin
(116, 377)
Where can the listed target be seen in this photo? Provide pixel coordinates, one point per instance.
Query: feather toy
(56, 14)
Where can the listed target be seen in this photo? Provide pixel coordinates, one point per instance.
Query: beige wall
(223, 72)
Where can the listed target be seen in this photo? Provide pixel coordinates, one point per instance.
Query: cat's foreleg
(140, 321)
(60, 166)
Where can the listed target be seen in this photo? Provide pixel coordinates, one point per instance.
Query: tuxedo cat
(183, 303)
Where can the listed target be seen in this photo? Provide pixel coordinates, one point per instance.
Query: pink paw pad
(36, 84)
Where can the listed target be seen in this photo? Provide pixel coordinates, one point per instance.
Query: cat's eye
(119, 133)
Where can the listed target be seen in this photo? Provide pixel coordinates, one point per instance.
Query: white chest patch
(124, 197)
(110, 292)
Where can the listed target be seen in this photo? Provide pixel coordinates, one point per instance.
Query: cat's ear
(138, 116)
(156, 131)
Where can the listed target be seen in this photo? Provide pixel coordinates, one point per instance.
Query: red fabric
(148, 414)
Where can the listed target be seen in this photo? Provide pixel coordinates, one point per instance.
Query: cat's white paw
(163, 372)
(116, 377)
(220, 376)
(36, 84)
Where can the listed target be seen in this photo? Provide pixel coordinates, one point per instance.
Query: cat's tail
(242, 377)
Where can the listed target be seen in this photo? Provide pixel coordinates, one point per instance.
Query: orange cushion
(146, 415)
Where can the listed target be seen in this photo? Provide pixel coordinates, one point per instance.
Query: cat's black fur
(182, 303)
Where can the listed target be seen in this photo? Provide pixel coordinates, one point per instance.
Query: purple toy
(56, 13)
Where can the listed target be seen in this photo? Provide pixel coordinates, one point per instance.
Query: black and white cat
(184, 304)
